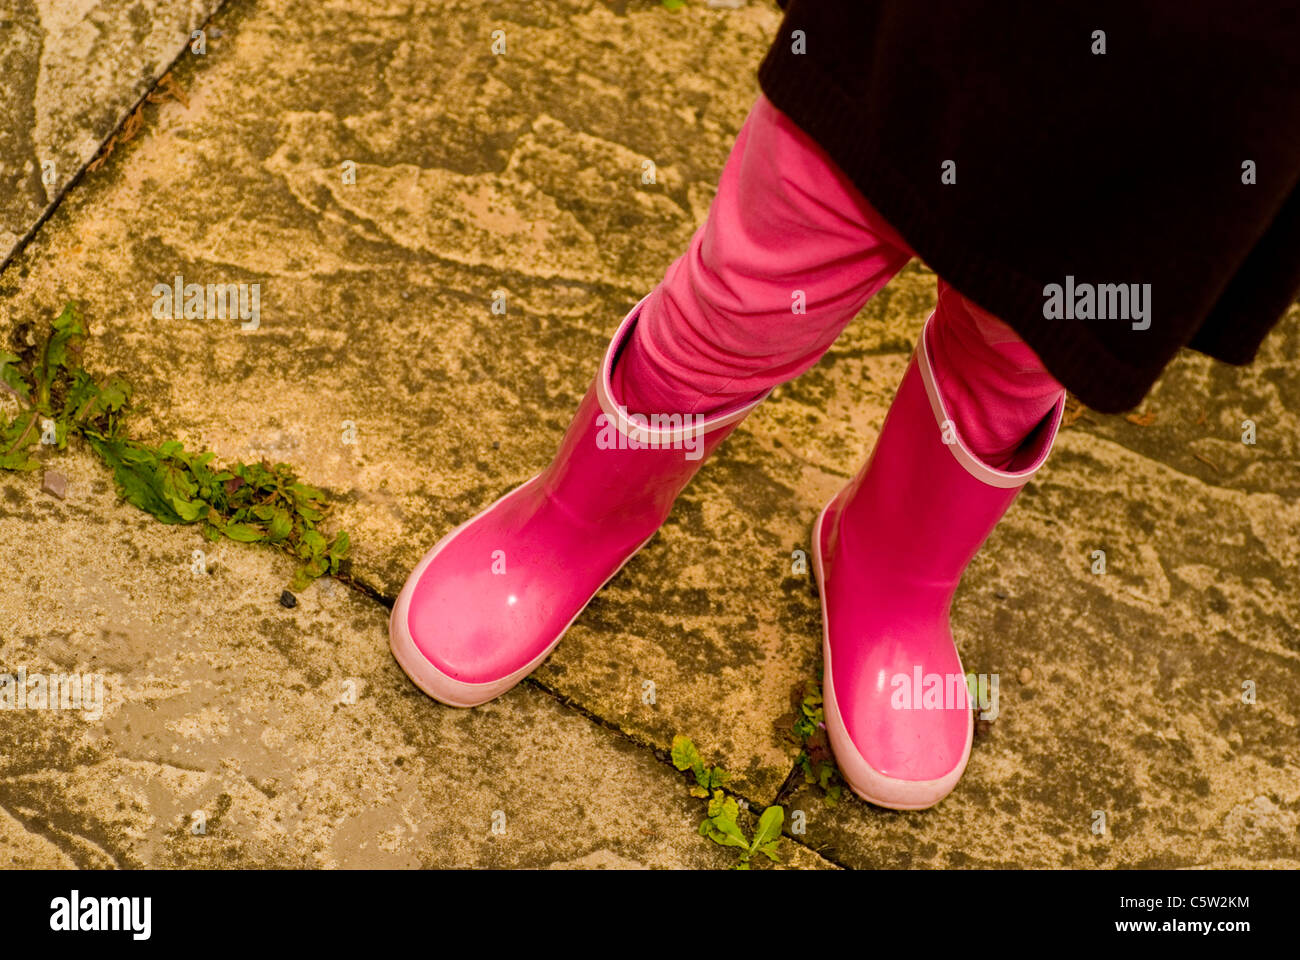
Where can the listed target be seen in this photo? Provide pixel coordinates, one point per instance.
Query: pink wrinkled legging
(720, 327)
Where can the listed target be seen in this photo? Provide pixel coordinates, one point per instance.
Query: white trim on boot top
(977, 468)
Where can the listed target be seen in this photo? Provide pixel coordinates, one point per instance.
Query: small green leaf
(304, 491)
(684, 754)
(281, 526)
(301, 580)
(769, 826)
(243, 533)
(726, 834)
(312, 545)
(339, 548)
(12, 377)
(723, 811)
(722, 838)
(188, 510)
(17, 460)
(66, 327)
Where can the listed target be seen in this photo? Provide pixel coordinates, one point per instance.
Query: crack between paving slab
(365, 589)
(569, 703)
(77, 177)
(553, 693)
(784, 794)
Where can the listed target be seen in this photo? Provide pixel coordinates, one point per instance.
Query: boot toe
(898, 714)
(476, 627)
(492, 599)
(477, 614)
(903, 759)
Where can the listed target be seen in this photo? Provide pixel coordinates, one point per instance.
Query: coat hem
(816, 104)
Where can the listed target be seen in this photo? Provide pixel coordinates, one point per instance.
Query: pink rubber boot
(889, 551)
(491, 600)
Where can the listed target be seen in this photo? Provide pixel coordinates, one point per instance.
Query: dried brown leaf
(169, 89)
(1074, 409)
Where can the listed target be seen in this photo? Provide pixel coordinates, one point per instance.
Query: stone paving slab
(70, 71)
(292, 730)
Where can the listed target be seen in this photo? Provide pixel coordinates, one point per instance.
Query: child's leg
(724, 325)
(995, 386)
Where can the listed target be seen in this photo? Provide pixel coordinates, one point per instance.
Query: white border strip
(976, 467)
(655, 436)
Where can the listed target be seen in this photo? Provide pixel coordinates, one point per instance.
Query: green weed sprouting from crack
(248, 503)
(721, 824)
(805, 726)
